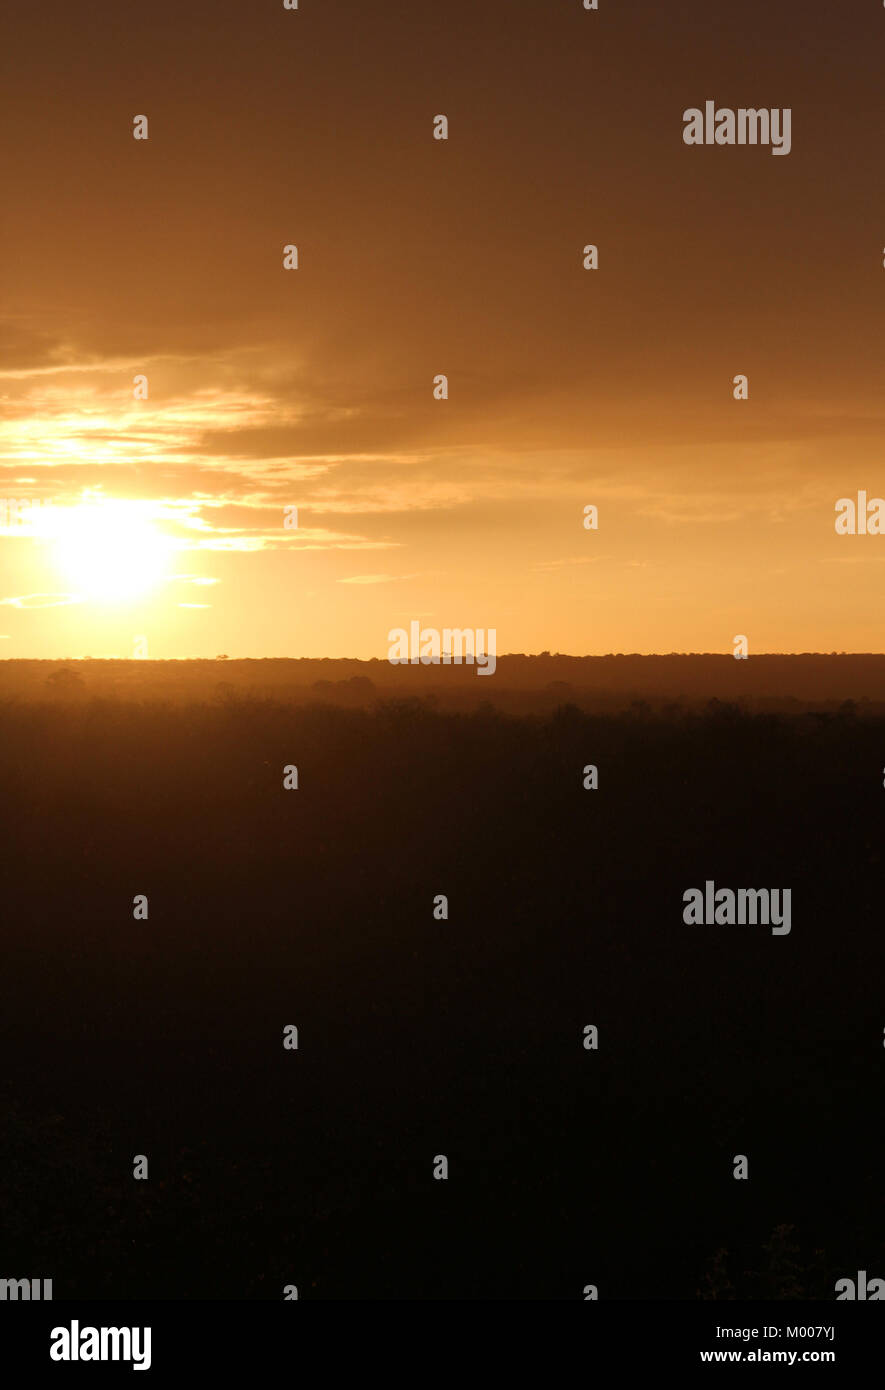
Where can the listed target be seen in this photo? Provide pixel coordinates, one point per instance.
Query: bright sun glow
(109, 551)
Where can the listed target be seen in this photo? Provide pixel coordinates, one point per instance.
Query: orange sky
(313, 387)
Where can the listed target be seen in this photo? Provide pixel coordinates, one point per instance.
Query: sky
(268, 388)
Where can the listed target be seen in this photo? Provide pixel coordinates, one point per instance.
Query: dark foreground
(419, 1037)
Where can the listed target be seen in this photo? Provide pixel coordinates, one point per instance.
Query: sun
(109, 550)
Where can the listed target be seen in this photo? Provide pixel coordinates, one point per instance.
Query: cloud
(228, 439)
(370, 579)
(41, 601)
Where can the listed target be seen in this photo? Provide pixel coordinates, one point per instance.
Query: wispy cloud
(376, 578)
(40, 601)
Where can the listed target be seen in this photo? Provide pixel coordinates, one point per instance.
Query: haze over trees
(314, 908)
